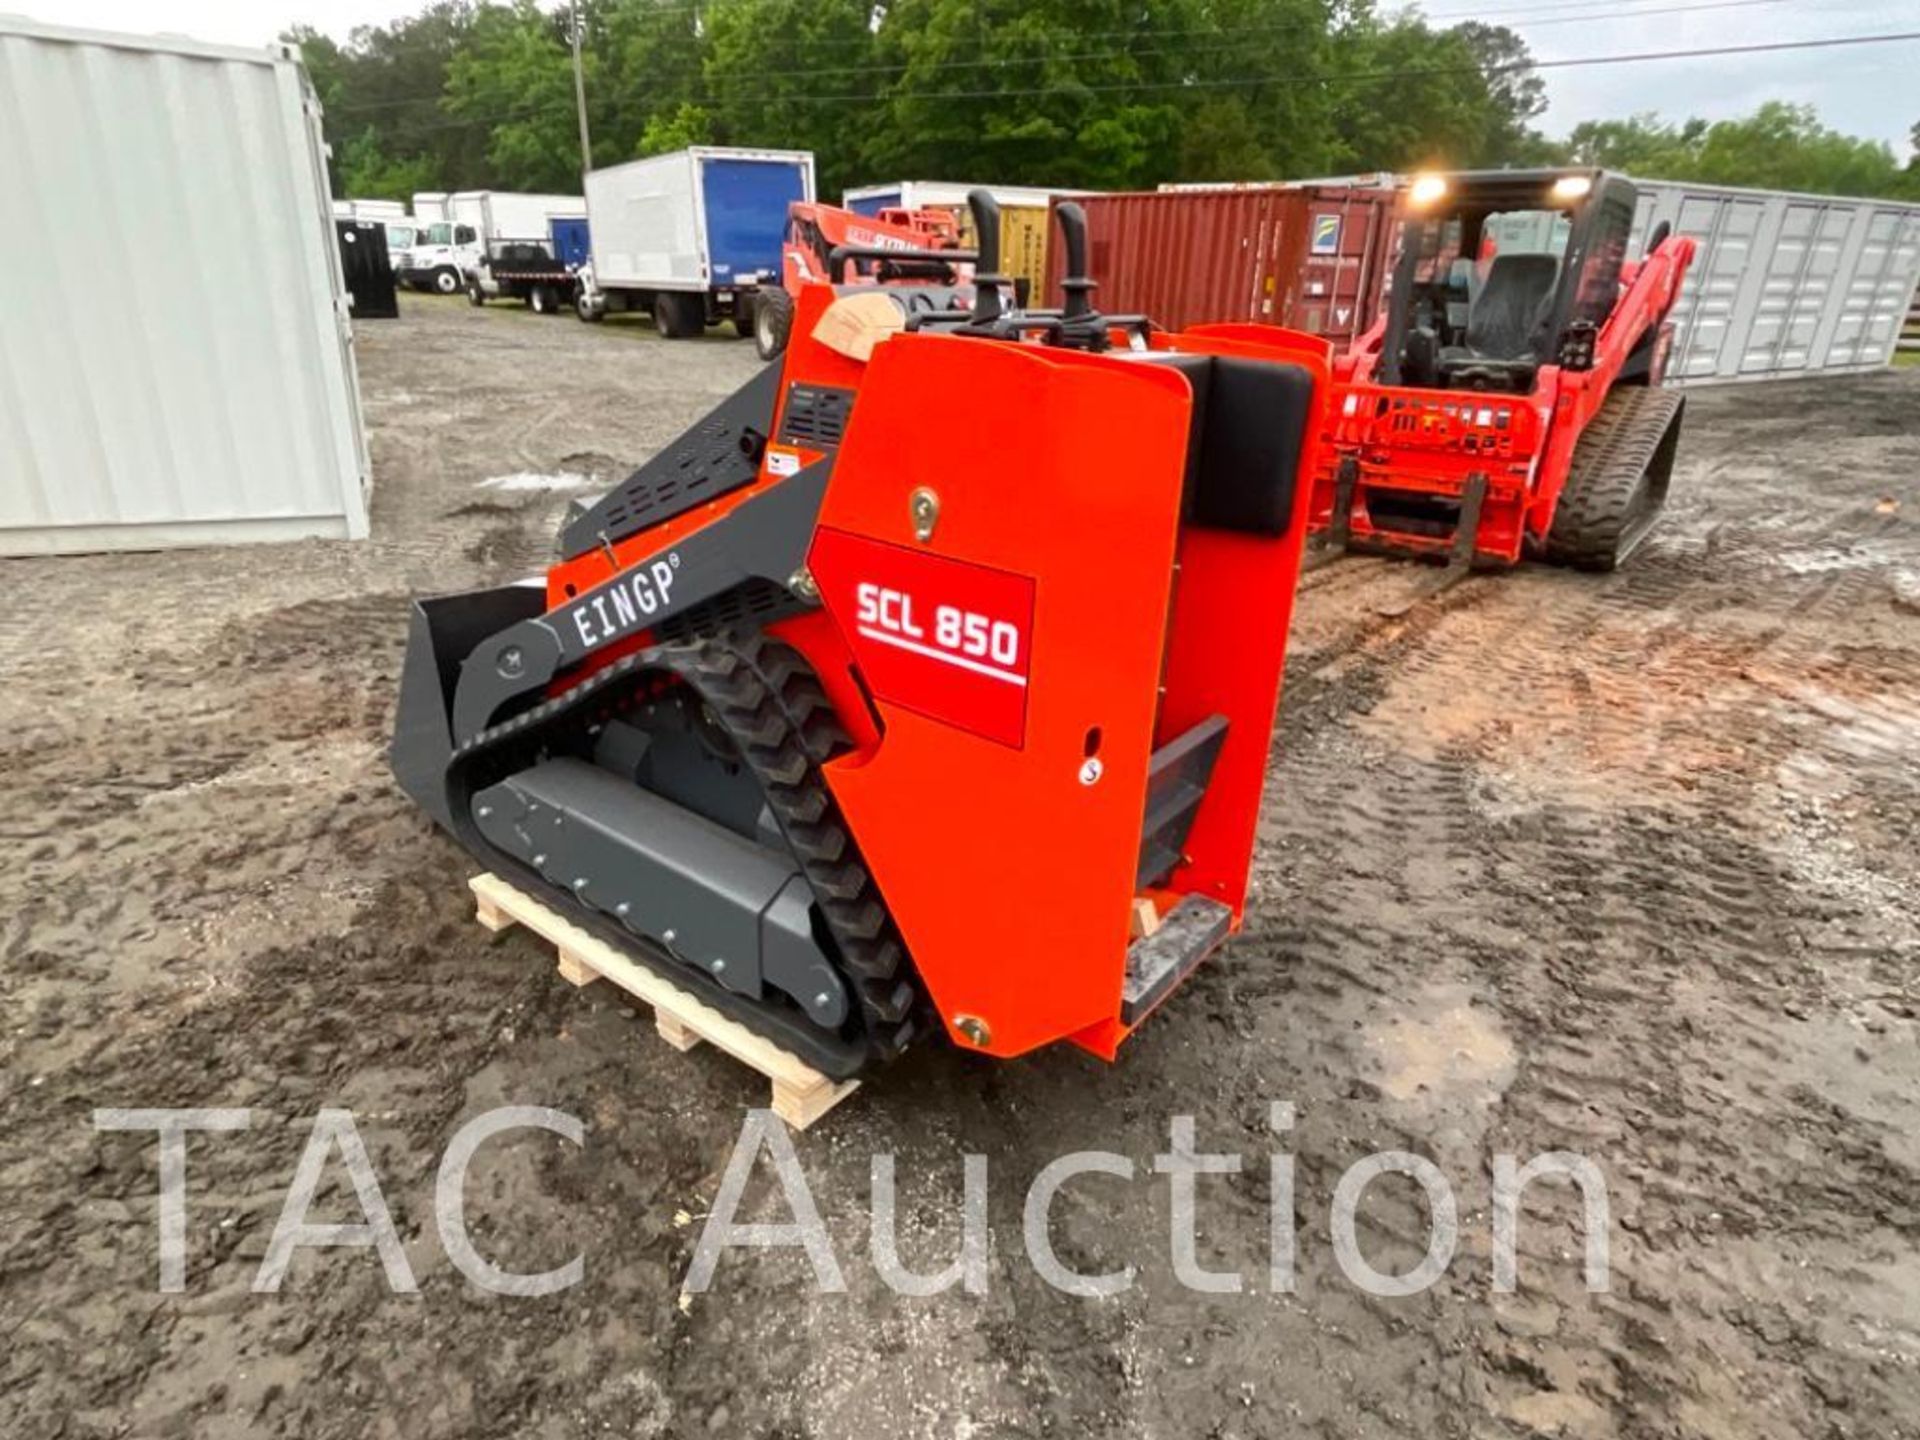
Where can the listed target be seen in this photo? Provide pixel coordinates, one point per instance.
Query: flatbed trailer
(523, 270)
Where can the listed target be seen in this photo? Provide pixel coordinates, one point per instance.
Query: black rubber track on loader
(768, 700)
(1612, 496)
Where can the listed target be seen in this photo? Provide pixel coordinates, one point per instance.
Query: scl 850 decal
(943, 638)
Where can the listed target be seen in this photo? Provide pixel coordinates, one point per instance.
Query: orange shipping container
(1310, 257)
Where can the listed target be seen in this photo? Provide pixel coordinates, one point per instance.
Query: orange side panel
(1010, 878)
(1227, 644)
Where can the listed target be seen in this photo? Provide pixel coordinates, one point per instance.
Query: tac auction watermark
(764, 1143)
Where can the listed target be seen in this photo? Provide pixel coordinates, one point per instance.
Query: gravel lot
(1625, 866)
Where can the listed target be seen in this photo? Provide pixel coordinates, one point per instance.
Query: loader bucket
(441, 632)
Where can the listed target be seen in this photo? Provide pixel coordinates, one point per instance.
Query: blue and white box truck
(690, 236)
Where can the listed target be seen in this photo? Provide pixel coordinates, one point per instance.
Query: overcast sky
(1866, 90)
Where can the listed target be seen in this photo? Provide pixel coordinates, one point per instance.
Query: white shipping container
(1784, 284)
(429, 206)
(160, 385)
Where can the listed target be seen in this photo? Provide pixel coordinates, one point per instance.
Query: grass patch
(1906, 359)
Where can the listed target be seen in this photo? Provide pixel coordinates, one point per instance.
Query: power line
(1201, 51)
(1640, 57)
(1323, 78)
(1406, 10)
(901, 68)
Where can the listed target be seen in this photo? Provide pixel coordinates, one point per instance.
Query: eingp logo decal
(626, 603)
(944, 638)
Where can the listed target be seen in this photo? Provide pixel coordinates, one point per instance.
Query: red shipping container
(1312, 257)
(1350, 246)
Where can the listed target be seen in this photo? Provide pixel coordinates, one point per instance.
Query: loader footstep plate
(1191, 931)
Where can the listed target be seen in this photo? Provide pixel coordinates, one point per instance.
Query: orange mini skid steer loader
(885, 695)
(1508, 401)
(891, 247)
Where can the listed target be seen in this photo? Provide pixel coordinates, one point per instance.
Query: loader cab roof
(1499, 271)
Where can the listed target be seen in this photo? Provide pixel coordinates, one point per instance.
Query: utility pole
(580, 95)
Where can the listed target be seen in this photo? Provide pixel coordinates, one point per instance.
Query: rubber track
(1608, 464)
(768, 699)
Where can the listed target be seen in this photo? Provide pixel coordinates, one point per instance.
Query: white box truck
(476, 219)
(378, 210)
(690, 236)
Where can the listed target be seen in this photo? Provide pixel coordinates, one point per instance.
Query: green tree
(1220, 140)
(1785, 147)
(792, 74)
(1406, 97)
(1778, 147)
(514, 77)
(1641, 144)
(362, 169)
(1278, 125)
(1107, 94)
(1515, 96)
(689, 125)
(388, 80)
(650, 54)
(1006, 90)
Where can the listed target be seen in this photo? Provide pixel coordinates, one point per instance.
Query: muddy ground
(1622, 866)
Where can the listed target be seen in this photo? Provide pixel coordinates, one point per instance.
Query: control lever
(1077, 285)
(987, 279)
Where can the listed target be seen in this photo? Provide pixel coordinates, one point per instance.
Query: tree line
(1099, 94)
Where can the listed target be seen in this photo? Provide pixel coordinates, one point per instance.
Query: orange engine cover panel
(1020, 640)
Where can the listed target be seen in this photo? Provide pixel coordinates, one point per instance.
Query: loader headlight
(1427, 190)
(1569, 188)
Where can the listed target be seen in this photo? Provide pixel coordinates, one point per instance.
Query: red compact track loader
(889, 248)
(1508, 403)
(927, 681)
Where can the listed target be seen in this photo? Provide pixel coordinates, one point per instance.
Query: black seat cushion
(1504, 322)
(1243, 447)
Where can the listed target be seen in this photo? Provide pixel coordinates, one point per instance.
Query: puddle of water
(525, 480)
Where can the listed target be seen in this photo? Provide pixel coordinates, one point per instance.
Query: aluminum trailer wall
(154, 392)
(1785, 284)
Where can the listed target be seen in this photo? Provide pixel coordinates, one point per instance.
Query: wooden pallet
(801, 1094)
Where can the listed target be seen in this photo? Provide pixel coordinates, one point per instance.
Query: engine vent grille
(719, 454)
(816, 416)
(751, 605)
